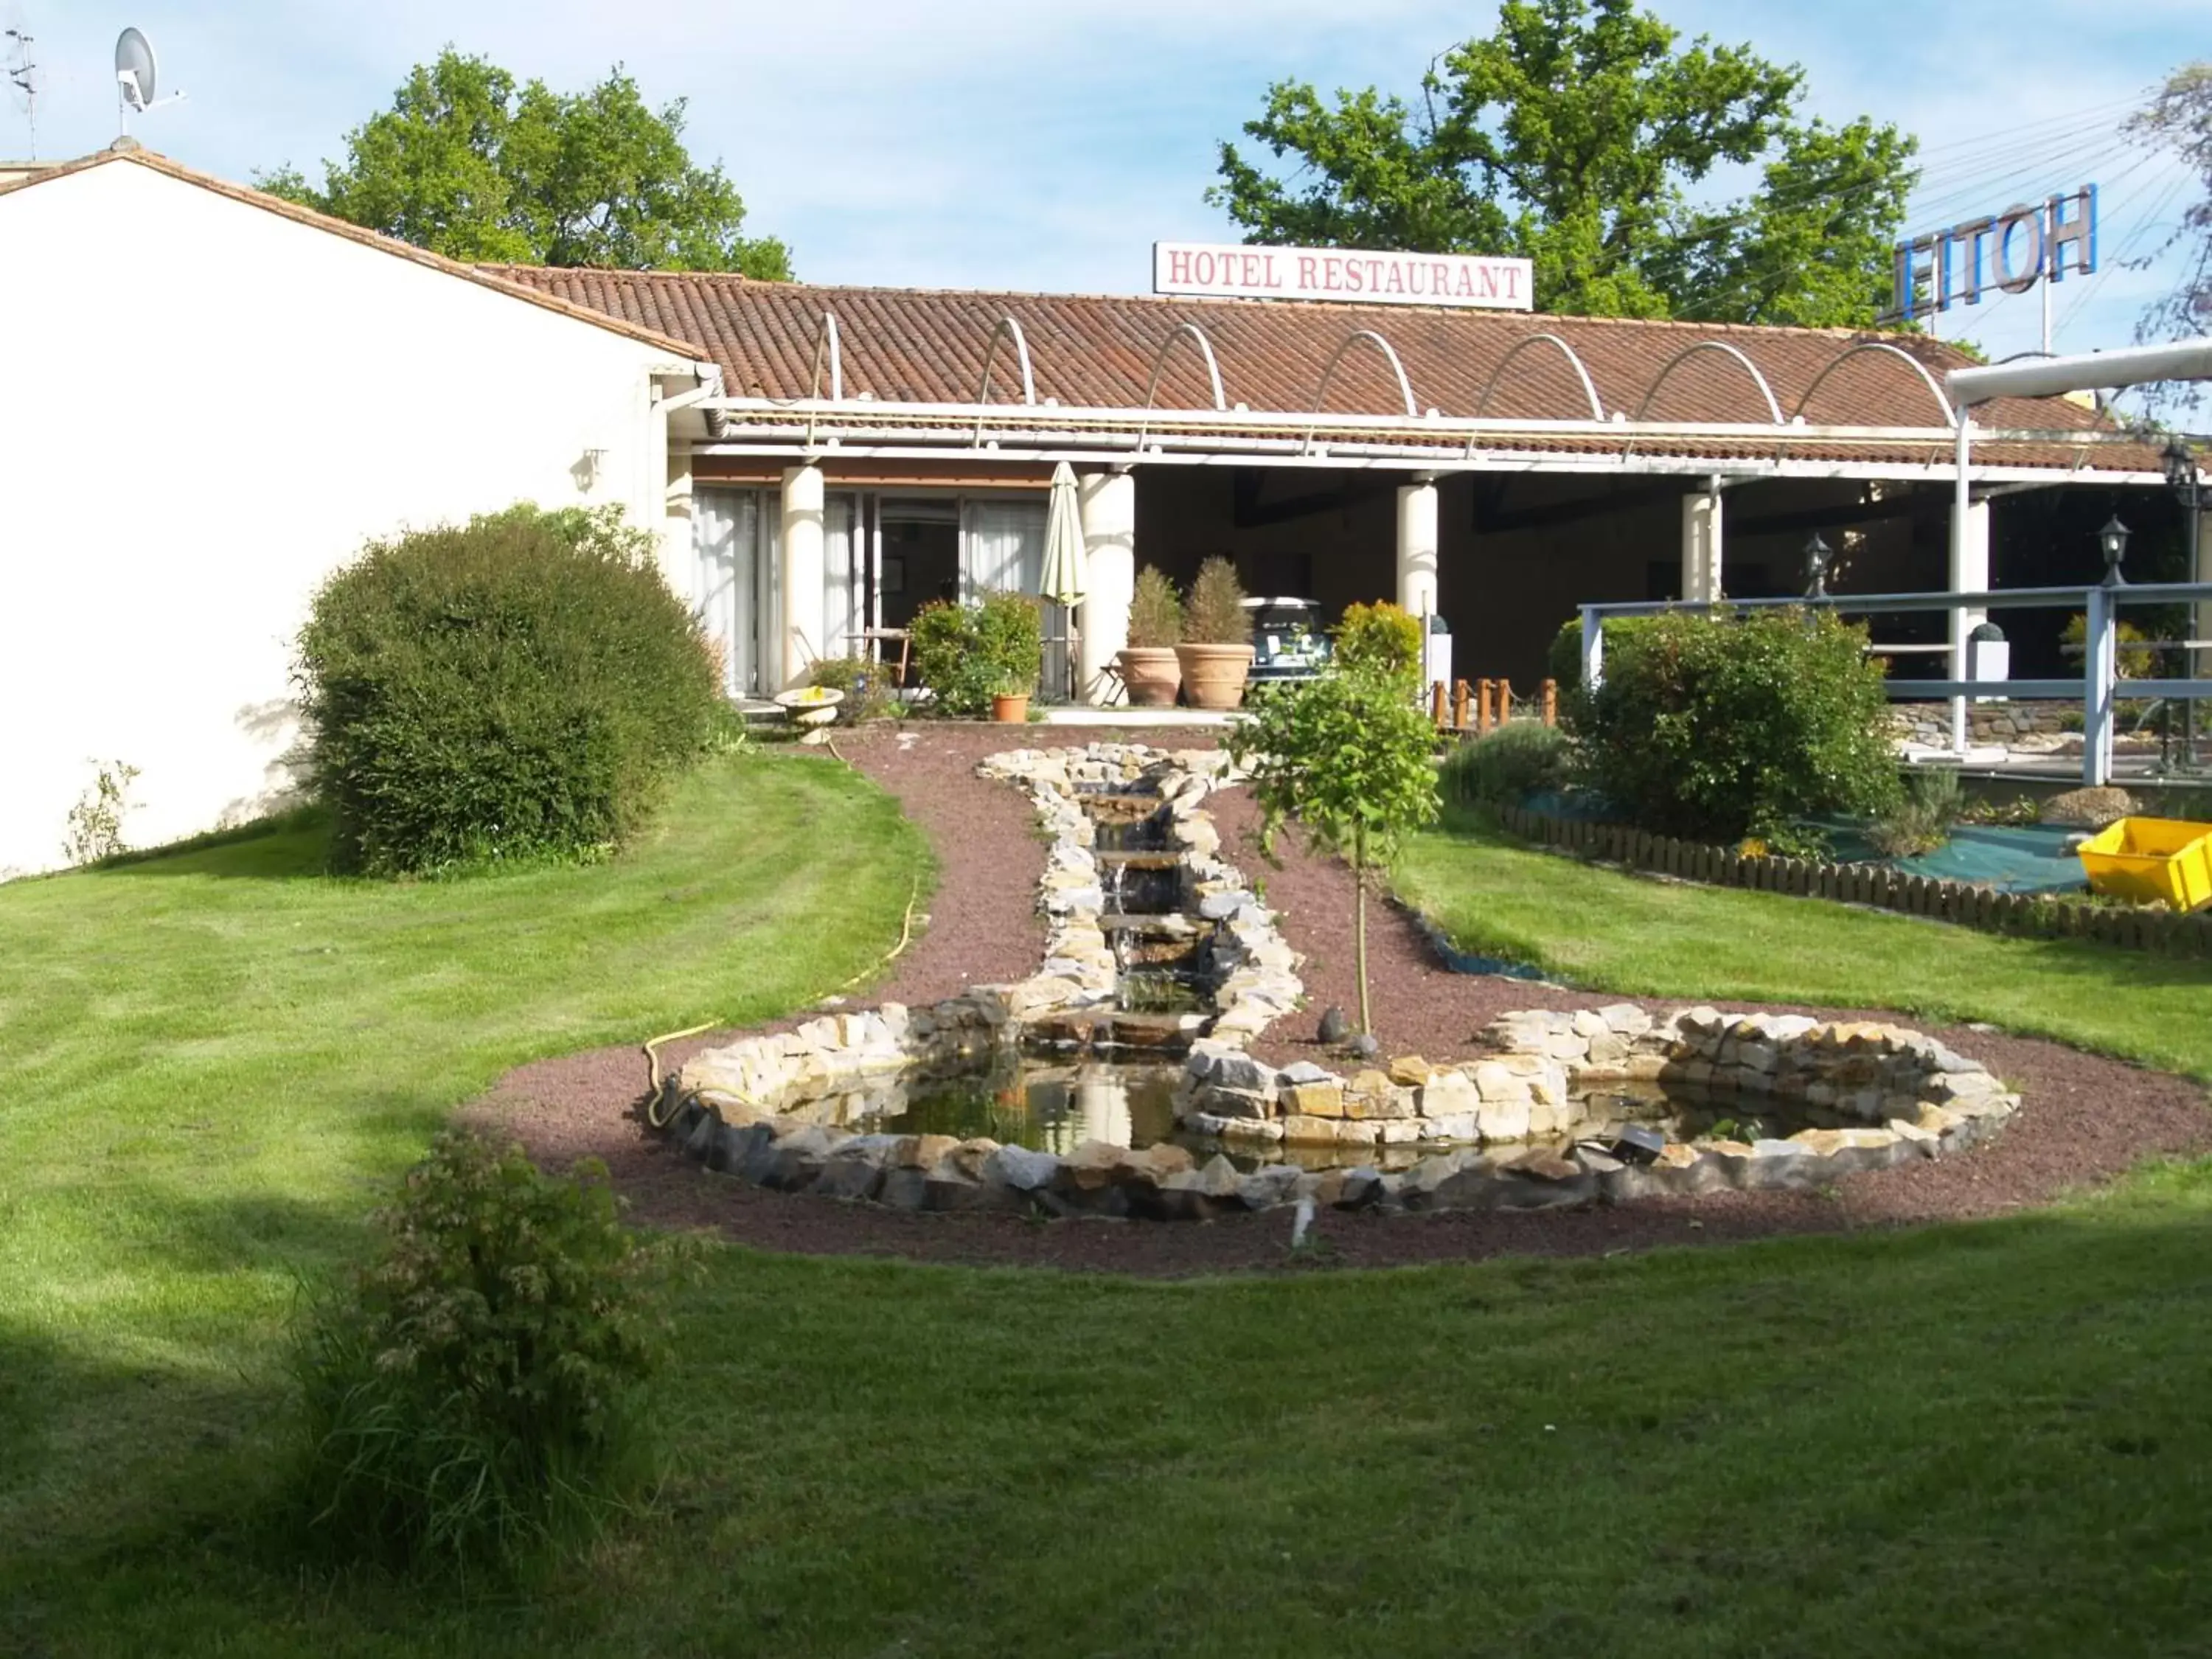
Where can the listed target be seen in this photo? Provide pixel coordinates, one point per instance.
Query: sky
(1045, 144)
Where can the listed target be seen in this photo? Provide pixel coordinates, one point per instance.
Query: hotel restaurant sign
(1342, 273)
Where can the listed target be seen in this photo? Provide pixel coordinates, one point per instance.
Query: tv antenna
(136, 79)
(25, 79)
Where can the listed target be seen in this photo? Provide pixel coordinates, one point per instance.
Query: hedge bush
(521, 686)
(1734, 726)
(476, 1391)
(1502, 766)
(967, 654)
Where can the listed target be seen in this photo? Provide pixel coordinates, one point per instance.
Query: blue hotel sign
(2008, 251)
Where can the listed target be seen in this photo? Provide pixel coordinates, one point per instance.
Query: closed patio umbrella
(1063, 577)
(1062, 581)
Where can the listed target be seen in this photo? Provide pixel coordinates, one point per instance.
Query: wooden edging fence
(2027, 915)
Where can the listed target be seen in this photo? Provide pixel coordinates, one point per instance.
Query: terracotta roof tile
(915, 345)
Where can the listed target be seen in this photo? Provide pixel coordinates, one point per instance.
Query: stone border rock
(1913, 1096)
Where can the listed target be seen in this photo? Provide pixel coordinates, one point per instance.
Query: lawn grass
(1982, 1438)
(215, 1061)
(1612, 931)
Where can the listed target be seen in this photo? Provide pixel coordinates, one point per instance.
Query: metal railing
(2097, 688)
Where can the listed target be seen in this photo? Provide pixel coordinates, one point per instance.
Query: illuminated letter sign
(1342, 273)
(2010, 252)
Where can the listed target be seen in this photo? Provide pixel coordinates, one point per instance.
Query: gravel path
(2084, 1120)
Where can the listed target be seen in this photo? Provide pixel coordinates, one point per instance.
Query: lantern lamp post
(2113, 539)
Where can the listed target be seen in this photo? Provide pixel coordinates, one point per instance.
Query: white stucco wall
(206, 408)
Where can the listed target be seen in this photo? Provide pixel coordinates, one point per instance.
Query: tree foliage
(1346, 755)
(2179, 119)
(1569, 137)
(468, 164)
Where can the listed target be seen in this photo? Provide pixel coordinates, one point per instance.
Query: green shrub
(1214, 614)
(522, 686)
(1500, 768)
(967, 654)
(475, 1392)
(1932, 801)
(1718, 728)
(866, 686)
(1155, 611)
(1381, 639)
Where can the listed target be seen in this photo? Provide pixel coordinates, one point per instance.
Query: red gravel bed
(2084, 1119)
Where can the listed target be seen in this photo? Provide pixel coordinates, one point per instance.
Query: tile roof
(482, 277)
(913, 345)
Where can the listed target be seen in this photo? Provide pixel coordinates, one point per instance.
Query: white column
(1970, 574)
(1107, 503)
(802, 573)
(1416, 547)
(1701, 546)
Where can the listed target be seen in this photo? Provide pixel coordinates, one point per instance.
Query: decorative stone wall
(1914, 1097)
(1911, 1095)
(2042, 727)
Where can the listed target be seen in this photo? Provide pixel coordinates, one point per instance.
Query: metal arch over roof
(1684, 355)
(1007, 326)
(1864, 346)
(1159, 362)
(912, 392)
(1582, 372)
(827, 341)
(1320, 391)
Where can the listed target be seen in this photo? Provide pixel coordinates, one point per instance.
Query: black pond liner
(1461, 962)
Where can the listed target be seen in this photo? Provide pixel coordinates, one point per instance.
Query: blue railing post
(2099, 669)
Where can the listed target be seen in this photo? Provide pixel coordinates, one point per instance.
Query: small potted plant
(1010, 700)
(1148, 663)
(1216, 653)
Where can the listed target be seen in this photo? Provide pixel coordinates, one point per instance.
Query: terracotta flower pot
(1011, 710)
(1213, 675)
(1152, 673)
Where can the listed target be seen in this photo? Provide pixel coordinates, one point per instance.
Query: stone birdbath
(813, 709)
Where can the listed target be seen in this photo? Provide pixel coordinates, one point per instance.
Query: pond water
(1054, 1104)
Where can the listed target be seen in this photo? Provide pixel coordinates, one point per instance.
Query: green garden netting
(2029, 857)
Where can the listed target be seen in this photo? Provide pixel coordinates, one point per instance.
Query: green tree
(469, 165)
(1347, 756)
(1568, 138)
(2179, 119)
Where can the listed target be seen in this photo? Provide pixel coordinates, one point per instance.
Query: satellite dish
(134, 69)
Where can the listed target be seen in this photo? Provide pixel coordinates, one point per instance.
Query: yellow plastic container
(2151, 860)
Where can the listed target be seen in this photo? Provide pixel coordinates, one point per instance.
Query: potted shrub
(1009, 701)
(1148, 663)
(1216, 653)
